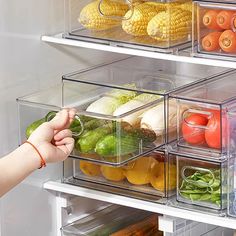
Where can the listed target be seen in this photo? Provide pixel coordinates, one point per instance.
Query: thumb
(60, 121)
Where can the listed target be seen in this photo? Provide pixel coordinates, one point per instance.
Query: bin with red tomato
(214, 29)
(202, 117)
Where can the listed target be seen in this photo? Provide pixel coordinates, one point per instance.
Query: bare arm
(20, 163)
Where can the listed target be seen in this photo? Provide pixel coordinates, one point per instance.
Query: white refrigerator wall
(26, 65)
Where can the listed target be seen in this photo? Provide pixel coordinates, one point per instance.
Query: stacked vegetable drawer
(153, 25)
(232, 162)
(205, 141)
(141, 132)
(214, 29)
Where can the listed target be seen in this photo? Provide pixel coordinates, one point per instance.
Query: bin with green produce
(201, 182)
(114, 134)
(137, 104)
(107, 128)
(122, 109)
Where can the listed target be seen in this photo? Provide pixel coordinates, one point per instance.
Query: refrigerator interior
(27, 65)
(83, 216)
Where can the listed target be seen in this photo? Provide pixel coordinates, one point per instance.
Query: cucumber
(127, 143)
(87, 142)
(111, 145)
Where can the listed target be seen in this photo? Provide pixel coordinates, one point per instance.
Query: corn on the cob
(170, 25)
(91, 18)
(137, 19)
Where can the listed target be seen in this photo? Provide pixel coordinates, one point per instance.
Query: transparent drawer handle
(74, 134)
(116, 17)
(77, 134)
(185, 178)
(195, 111)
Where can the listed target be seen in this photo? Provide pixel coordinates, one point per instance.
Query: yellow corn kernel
(170, 25)
(136, 19)
(186, 6)
(177, 3)
(183, 4)
(91, 18)
(159, 6)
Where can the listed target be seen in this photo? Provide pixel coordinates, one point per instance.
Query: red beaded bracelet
(43, 163)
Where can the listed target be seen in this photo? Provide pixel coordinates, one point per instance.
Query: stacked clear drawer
(205, 141)
(151, 25)
(128, 130)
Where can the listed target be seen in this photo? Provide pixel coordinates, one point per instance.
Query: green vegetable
(205, 197)
(33, 126)
(89, 123)
(111, 145)
(87, 142)
(195, 196)
(37, 123)
(124, 142)
(202, 186)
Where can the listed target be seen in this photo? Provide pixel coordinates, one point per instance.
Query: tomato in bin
(191, 133)
(200, 129)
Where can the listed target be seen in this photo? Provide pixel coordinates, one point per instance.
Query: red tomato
(213, 131)
(193, 134)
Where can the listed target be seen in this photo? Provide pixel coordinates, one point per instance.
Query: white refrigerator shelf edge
(140, 204)
(58, 39)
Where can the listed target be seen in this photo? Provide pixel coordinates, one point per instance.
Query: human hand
(53, 139)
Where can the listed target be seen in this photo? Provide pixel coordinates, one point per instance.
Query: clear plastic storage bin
(152, 175)
(114, 221)
(202, 183)
(203, 126)
(215, 26)
(232, 163)
(232, 186)
(149, 25)
(116, 104)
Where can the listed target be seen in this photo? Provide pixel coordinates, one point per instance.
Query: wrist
(35, 152)
(30, 156)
